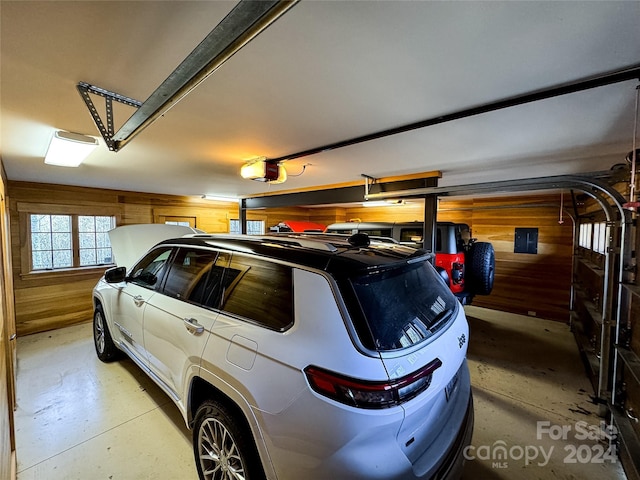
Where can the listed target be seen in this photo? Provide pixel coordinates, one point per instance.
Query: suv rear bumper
(453, 464)
(455, 436)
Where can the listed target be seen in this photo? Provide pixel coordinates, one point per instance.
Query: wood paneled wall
(528, 284)
(49, 300)
(7, 348)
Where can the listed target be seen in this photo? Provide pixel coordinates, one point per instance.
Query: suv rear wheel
(223, 448)
(481, 268)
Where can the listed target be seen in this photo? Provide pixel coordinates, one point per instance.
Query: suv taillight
(457, 272)
(368, 394)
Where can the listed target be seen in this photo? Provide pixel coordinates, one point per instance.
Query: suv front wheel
(224, 450)
(105, 347)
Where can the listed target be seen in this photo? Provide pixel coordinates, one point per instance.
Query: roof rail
(316, 244)
(288, 239)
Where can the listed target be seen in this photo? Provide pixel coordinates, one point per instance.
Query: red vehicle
(298, 226)
(465, 265)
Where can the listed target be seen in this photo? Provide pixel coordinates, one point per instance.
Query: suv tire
(481, 268)
(105, 348)
(223, 447)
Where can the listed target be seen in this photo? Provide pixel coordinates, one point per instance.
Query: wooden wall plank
(7, 348)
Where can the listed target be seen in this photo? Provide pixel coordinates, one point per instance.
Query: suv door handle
(193, 326)
(138, 300)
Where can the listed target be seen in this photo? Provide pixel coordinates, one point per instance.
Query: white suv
(296, 357)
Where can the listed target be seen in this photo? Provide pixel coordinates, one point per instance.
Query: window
(411, 235)
(196, 276)
(94, 244)
(259, 290)
(175, 220)
(51, 245)
(149, 270)
(67, 241)
(581, 235)
(599, 237)
(378, 232)
(593, 236)
(402, 306)
(585, 235)
(254, 227)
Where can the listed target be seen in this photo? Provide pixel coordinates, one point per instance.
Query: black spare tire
(481, 264)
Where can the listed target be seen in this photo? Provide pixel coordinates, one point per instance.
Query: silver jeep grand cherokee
(295, 357)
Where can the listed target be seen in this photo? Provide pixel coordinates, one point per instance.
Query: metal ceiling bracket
(366, 184)
(107, 131)
(241, 25)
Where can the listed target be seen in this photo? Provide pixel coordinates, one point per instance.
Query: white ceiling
(326, 71)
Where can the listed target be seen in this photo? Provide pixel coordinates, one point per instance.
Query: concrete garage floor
(78, 418)
(533, 398)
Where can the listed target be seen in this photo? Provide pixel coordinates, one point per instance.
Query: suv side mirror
(115, 275)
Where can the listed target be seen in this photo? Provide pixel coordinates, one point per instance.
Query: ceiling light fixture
(263, 170)
(384, 203)
(218, 198)
(69, 149)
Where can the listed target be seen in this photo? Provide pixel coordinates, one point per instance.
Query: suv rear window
(404, 306)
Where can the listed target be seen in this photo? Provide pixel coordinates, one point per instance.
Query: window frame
(25, 210)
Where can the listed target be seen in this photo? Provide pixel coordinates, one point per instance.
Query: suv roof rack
(286, 238)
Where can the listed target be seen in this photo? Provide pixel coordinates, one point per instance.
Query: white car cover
(130, 242)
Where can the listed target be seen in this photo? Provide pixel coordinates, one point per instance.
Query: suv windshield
(404, 306)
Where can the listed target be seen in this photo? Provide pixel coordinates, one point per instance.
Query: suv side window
(260, 291)
(411, 235)
(150, 269)
(378, 232)
(195, 276)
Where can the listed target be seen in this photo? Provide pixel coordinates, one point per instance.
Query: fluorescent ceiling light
(69, 149)
(383, 203)
(219, 198)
